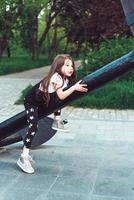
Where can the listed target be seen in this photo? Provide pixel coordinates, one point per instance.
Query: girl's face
(67, 69)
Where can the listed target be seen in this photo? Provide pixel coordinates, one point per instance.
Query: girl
(47, 94)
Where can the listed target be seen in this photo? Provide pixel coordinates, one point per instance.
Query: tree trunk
(34, 46)
(53, 47)
(8, 52)
(48, 26)
(78, 49)
(66, 46)
(128, 7)
(3, 43)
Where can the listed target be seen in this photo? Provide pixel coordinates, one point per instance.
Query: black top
(36, 97)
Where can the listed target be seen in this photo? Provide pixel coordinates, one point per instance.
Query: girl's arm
(64, 94)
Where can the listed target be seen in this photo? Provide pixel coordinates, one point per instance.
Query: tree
(51, 13)
(30, 20)
(89, 22)
(29, 25)
(9, 12)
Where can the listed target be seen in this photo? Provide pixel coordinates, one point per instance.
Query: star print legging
(32, 119)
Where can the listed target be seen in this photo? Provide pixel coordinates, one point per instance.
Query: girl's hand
(80, 87)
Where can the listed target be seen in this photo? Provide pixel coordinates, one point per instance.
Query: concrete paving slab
(73, 184)
(23, 193)
(116, 183)
(66, 196)
(95, 197)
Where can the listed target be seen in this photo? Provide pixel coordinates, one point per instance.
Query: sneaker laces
(28, 157)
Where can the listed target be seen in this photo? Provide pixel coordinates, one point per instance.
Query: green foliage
(108, 51)
(21, 63)
(34, 3)
(8, 14)
(23, 93)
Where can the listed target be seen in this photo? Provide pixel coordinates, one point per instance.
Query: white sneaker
(59, 125)
(24, 163)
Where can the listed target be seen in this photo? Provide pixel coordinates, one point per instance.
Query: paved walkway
(93, 162)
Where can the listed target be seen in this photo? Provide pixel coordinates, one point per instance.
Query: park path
(37, 73)
(11, 86)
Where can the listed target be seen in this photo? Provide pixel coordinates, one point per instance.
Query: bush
(23, 93)
(108, 51)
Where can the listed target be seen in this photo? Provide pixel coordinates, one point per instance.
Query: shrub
(108, 51)
(23, 93)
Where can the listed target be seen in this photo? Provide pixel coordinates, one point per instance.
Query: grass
(116, 95)
(20, 63)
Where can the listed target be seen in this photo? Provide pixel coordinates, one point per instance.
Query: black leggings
(32, 113)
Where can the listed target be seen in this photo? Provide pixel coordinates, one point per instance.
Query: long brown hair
(56, 67)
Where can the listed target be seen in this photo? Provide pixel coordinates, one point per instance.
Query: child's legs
(57, 114)
(32, 119)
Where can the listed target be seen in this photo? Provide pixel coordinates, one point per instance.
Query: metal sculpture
(128, 7)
